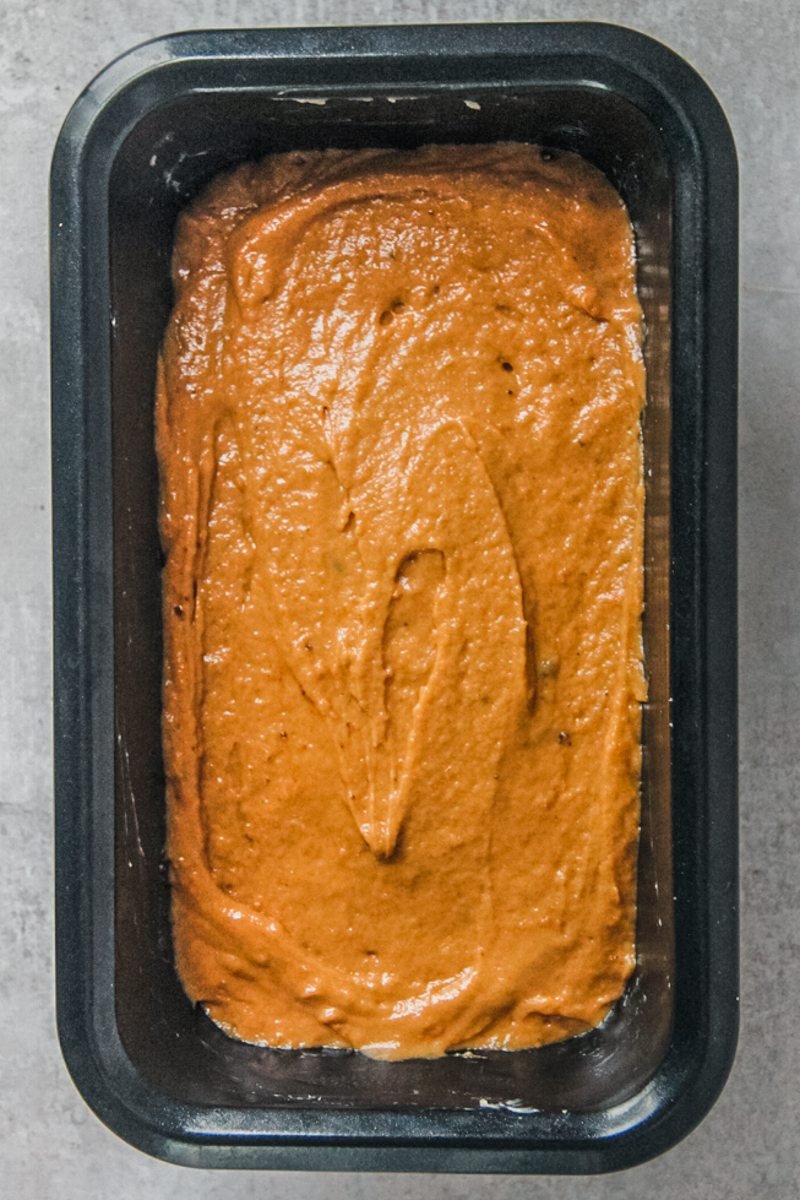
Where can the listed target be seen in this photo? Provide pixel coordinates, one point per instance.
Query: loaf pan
(140, 142)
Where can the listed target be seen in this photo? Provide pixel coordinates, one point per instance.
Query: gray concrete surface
(50, 1144)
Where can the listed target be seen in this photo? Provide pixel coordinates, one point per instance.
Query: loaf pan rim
(93, 1068)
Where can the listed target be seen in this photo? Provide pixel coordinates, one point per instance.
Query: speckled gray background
(749, 1147)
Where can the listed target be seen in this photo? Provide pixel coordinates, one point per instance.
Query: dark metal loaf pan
(146, 135)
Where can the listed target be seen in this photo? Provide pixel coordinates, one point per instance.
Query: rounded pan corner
(102, 1079)
(687, 1096)
(682, 86)
(101, 88)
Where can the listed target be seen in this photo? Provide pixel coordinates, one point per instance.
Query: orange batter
(402, 505)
